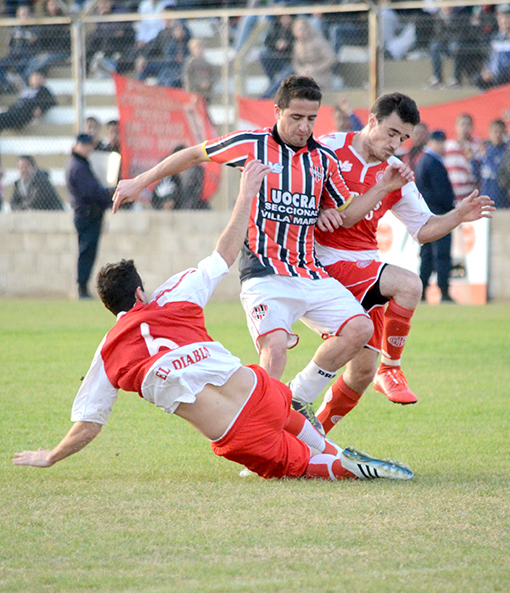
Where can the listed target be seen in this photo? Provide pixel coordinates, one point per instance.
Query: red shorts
(360, 277)
(257, 438)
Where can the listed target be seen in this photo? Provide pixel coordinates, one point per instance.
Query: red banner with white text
(154, 120)
(484, 107)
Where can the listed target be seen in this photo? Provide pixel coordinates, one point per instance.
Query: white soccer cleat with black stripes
(365, 467)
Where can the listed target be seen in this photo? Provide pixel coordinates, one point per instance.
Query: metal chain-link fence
(58, 61)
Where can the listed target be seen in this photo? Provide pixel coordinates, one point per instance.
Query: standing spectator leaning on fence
(435, 187)
(32, 103)
(34, 190)
(282, 279)
(89, 200)
(160, 349)
(491, 171)
(497, 69)
(345, 118)
(22, 47)
(462, 157)
(350, 254)
(276, 55)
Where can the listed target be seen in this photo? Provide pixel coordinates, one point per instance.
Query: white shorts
(276, 302)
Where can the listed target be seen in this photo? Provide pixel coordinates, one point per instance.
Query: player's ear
(277, 112)
(140, 295)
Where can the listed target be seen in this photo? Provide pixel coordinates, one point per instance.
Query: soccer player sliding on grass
(160, 349)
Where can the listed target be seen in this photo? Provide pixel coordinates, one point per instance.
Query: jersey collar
(310, 145)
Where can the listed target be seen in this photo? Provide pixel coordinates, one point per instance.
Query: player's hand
(330, 219)
(475, 207)
(38, 458)
(396, 176)
(127, 191)
(252, 177)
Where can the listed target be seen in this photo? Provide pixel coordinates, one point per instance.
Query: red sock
(339, 400)
(301, 428)
(397, 324)
(327, 467)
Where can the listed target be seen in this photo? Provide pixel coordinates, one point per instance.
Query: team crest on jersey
(345, 166)
(259, 312)
(275, 167)
(316, 173)
(379, 176)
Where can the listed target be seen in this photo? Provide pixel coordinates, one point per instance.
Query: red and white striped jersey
(459, 167)
(360, 241)
(281, 230)
(160, 350)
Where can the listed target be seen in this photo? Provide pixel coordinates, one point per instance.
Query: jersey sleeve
(96, 396)
(232, 149)
(194, 285)
(336, 194)
(412, 210)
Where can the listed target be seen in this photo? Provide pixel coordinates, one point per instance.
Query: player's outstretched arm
(470, 209)
(128, 190)
(78, 437)
(231, 239)
(394, 177)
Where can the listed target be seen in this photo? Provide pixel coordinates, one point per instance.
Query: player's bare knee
(358, 330)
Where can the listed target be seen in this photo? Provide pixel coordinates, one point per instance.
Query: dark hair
(402, 105)
(117, 284)
(297, 87)
(29, 158)
(113, 122)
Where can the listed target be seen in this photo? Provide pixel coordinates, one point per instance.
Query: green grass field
(147, 507)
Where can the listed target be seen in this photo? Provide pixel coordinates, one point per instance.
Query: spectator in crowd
(54, 43)
(493, 156)
(455, 36)
(164, 56)
(345, 118)
(399, 34)
(419, 139)
(276, 54)
(312, 56)
(435, 187)
(110, 46)
(93, 128)
(34, 190)
(22, 47)
(462, 156)
(33, 102)
(199, 74)
(182, 191)
(112, 141)
(148, 29)
(497, 69)
(89, 200)
(344, 28)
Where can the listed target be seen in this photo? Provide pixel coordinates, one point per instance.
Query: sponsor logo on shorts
(397, 341)
(259, 312)
(364, 263)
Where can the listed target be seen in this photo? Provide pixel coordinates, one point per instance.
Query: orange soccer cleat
(393, 384)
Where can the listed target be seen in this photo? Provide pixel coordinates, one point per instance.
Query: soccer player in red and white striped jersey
(282, 280)
(350, 253)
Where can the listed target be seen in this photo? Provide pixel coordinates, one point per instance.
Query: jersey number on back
(154, 344)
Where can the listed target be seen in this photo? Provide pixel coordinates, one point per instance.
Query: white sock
(311, 437)
(308, 384)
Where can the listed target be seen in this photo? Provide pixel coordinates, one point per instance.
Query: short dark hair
(29, 158)
(297, 87)
(398, 103)
(116, 285)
